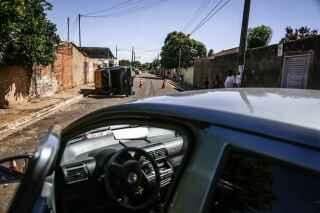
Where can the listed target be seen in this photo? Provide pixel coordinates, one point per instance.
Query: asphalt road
(27, 139)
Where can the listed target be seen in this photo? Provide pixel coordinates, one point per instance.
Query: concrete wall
(263, 65)
(211, 69)
(188, 77)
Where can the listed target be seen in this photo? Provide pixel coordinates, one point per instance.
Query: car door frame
(198, 183)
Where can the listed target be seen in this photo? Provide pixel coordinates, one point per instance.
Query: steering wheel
(126, 182)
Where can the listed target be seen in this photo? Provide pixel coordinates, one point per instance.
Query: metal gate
(295, 71)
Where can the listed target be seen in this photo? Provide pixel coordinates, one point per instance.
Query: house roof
(64, 43)
(225, 52)
(98, 52)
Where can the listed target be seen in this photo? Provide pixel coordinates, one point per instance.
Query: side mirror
(12, 169)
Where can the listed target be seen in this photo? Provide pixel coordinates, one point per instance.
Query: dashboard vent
(159, 153)
(75, 173)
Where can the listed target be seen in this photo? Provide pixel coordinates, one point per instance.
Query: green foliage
(124, 62)
(27, 37)
(136, 63)
(176, 42)
(155, 64)
(145, 66)
(298, 33)
(259, 36)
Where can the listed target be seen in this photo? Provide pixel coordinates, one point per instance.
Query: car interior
(116, 168)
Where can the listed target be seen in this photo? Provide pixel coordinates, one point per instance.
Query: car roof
(290, 114)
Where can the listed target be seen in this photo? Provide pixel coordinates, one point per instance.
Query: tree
(155, 64)
(176, 42)
(27, 37)
(136, 63)
(210, 53)
(259, 36)
(298, 33)
(124, 62)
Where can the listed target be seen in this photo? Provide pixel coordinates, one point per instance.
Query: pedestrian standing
(230, 80)
(238, 79)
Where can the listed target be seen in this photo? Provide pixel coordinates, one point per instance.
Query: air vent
(75, 173)
(159, 153)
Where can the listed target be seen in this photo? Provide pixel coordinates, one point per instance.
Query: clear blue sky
(146, 29)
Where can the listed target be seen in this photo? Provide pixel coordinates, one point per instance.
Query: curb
(23, 122)
(175, 85)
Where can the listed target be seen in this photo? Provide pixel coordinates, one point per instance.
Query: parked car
(237, 150)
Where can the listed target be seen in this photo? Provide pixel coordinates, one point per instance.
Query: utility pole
(68, 26)
(79, 16)
(243, 38)
(134, 55)
(179, 66)
(132, 49)
(116, 52)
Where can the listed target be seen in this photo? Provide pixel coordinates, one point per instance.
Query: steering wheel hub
(132, 178)
(126, 182)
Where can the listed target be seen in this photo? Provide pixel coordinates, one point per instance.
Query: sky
(146, 28)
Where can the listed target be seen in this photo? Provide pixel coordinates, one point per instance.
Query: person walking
(230, 80)
(238, 80)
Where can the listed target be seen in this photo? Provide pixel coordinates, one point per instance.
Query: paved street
(27, 139)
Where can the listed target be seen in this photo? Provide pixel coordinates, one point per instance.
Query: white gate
(295, 71)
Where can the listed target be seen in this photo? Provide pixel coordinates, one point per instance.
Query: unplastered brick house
(72, 67)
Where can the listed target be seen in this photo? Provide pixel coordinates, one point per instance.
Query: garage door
(295, 71)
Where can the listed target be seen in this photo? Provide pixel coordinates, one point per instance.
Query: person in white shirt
(238, 79)
(230, 80)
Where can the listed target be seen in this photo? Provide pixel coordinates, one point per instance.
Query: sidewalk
(20, 116)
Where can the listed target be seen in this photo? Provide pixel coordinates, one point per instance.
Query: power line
(116, 6)
(131, 10)
(196, 14)
(210, 15)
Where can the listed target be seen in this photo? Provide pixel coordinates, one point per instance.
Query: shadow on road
(91, 93)
(96, 96)
(150, 77)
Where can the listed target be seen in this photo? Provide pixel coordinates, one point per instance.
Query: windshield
(126, 133)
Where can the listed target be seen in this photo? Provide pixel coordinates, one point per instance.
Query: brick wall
(14, 85)
(79, 71)
(70, 69)
(62, 67)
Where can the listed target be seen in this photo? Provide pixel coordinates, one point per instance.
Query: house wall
(263, 65)
(62, 67)
(17, 84)
(79, 71)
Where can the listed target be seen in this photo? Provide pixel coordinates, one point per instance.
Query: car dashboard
(80, 182)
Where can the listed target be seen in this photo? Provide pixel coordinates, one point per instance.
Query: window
(252, 183)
